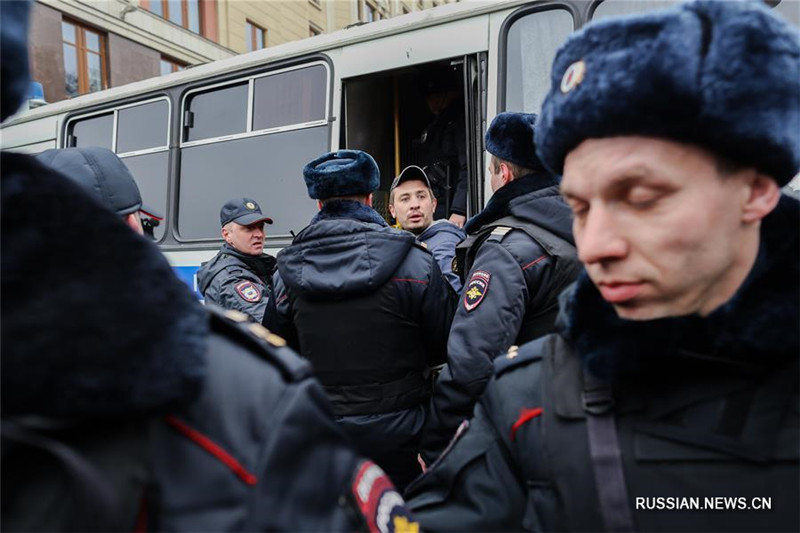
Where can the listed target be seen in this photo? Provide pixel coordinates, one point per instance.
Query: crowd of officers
(617, 331)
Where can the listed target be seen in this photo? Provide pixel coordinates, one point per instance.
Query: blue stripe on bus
(189, 276)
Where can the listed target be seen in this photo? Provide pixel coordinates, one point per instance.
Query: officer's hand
(458, 220)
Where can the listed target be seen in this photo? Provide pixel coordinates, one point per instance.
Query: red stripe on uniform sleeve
(212, 448)
(526, 416)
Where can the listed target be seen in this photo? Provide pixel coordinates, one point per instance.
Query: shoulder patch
(518, 356)
(248, 291)
(379, 502)
(476, 289)
(238, 327)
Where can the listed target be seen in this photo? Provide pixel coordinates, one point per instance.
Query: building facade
(82, 46)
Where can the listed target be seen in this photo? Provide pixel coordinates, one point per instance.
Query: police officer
(105, 176)
(518, 257)
(412, 203)
(126, 405)
(239, 277)
(369, 309)
(443, 146)
(668, 399)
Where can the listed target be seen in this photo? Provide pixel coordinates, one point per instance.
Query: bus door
(387, 115)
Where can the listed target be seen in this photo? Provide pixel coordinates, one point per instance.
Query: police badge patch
(381, 505)
(476, 289)
(248, 291)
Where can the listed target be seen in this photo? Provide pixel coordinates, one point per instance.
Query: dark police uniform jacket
(370, 310)
(237, 281)
(705, 409)
(136, 407)
(510, 295)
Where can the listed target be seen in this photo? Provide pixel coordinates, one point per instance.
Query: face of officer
(413, 206)
(661, 229)
(247, 239)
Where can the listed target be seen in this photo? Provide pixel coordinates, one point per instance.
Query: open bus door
(386, 115)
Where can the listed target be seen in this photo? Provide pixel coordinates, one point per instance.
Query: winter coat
(369, 309)
(510, 295)
(233, 280)
(441, 239)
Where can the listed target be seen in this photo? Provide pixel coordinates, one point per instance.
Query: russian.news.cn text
(706, 503)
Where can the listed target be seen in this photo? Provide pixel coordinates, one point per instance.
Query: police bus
(247, 125)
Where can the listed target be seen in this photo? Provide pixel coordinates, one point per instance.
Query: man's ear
(225, 234)
(763, 196)
(369, 200)
(319, 205)
(434, 201)
(133, 222)
(508, 177)
(391, 210)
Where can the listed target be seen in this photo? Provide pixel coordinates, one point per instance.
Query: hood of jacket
(754, 330)
(263, 265)
(94, 321)
(348, 249)
(442, 229)
(534, 198)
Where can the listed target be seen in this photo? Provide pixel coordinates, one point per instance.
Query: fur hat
(510, 138)
(342, 173)
(721, 75)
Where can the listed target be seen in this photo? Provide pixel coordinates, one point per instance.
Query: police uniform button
(236, 316)
(264, 334)
(512, 352)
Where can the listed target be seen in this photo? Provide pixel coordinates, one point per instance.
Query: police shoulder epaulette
(421, 245)
(519, 356)
(261, 341)
(498, 232)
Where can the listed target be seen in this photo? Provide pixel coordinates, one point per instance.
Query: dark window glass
(219, 112)
(531, 45)
(143, 126)
(150, 172)
(94, 131)
(292, 97)
(267, 168)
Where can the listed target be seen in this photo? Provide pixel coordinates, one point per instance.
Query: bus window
(95, 131)
(293, 97)
(264, 162)
(531, 44)
(217, 113)
(137, 127)
(143, 127)
(617, 8)
(151, 172)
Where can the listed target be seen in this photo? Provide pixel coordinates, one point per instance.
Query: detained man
(412, 203)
